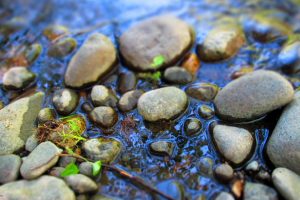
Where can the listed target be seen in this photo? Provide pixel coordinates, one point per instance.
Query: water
(118, 16)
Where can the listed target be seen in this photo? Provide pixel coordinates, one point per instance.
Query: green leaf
(69, 150)
(158, 61)
(70, 170)
(97, 167)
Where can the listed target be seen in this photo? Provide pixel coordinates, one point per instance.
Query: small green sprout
(158, 61)
(70, 169)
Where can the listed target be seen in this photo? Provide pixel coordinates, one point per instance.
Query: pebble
(9, 168)
(104, 116)
(257, 191)
(65, 101)
(129, 100)
(102, 96)
(45, 187)
(86, 168)
(165, 36)
(223, 173)
(31, 143)
(191, 63)
(177, 75)
(42, 158)
(283, 146)
(17, 78)
(224, 196)
(268, 91)
(192, 126)
(94, 59)
(287, 183)
(288, 58)
(127, 81)
(56, 171)
(46, 114)
(206, 112)
(64, 161)
(81, 183)
(172, 188)
(104, 149)
(234, 144)
(221, 43)
(54, 31)
(17, 122)
(205, 166)
(203, 91)
(162, 104)
(162, 148)
(62, 47)
(253, 166)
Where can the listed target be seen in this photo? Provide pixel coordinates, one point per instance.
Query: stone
(62, 47)
(234, 144)
(9, 168)
(252, 96)
(52, 32)
(56, 171)
(162, 148)
(127, 81)
(257, 191)
(223, 173)
(283, 146)
(165, 36)
(172, 188)
(102, 96)
(205, 166)
(42, 158)
(192, 126)
(86, 168)
(104, 116)
(104, 149)
(87, 107)
(81, 183)
(203, 91)
(206, 112)
(45, 187)
(33, 52)
(289, 57)
(46, 114)
(95, 58)
(287, 183)
(31, 143)
(221, 42)
(177, 75)
(191, 63)
(65, 101)
(17, 122)
(224, 196)
(162, 104)
(17, 78)
(64, 161)
(129, 100)
(253, 166)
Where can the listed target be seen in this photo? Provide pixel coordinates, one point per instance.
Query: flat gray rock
(283, 147)
(81, 183)
(162, 104)
(17, 122)
(287, 183)
(43, 188)
(9, 168)
(42, 158)
(257, 191)
(253, 95)
(91, 62)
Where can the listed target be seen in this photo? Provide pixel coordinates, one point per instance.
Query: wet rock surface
(203, 91)
(253, 95)
(17, 78)
(177, 75)
(257, 191)
(102, 96)
(104, 116)
(65, 101)
(162, 148)
(9, 168)
(81, 183)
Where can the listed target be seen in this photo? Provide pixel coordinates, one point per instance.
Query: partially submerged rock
(17, 78)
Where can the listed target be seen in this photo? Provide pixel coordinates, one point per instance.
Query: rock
(17, 78)
(9, 168)
(263, 175)
(104, 149)
(46, 114)
(129, 100)
(253, 166)
(86, 168)
(206, 112)
(162, 148)
(203, 91)
(17, 122)
(223, 173)
(102, 96)
(45, 187)
(54, 31)
(81, 183)
(87, 107)
(257, 191)
(64, 161)
(62, 47)
(82, 197)
(127, 81)
(221, 43)
(104, 116)
(162, 104)
(224, 196)
(283, 147)
(289, 56)
(287, 183)
(31, 143)
(253, 95)
(56, 171)
(191, 63)
(42, 158)
(192, 126)
(165, 36)
(205, 166)
(172, 188)
(177, 75)
(95, 58)
(234, 144)
(65, 101)
(33, 52)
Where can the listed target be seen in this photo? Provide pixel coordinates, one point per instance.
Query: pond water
(112, 18)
